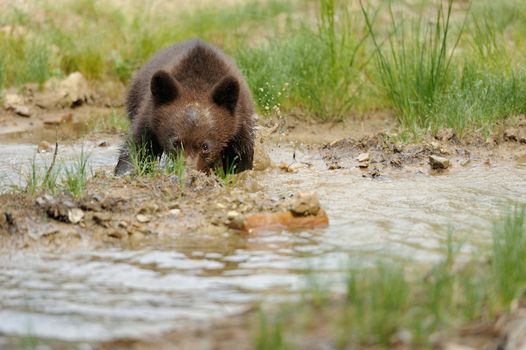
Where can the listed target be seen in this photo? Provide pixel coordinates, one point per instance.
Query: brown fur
(191, 95)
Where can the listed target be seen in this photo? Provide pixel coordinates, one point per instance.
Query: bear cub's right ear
(164, 87)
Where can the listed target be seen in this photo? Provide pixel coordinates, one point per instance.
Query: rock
(57, 118)
(143, 218)
(75, 215)
(44, 147)
(23, 111)
(12, 101)
(363, 157)
(75, 89)
(175, 212)
(304, 204)
(70, 92)
(45, 200)
(438, 162)
(58, 210)
(235, 220)
(363, 165)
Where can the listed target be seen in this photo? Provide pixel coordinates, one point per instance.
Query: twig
(48, 172)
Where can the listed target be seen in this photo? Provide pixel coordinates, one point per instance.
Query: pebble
(22, 111)
(44, 147)
(175, 212)
(437, 162)
(363, 157)
(235, 219)
(304, 204)
(143, 218)
(75, 215)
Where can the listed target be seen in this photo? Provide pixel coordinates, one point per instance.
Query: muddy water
(86, 296)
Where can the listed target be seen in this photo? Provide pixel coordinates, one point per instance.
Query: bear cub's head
(198, 123)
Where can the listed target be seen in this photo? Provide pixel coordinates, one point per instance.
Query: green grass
(226, 174)
(381, 302)
(414, 66)
(315, 69)
(509, 258)
(76, 175)
(55, 177)
(269, 335)
(434, 64)
(115, 121)
(145, 164)
(39, 178)
(174, 164)
(142, 160)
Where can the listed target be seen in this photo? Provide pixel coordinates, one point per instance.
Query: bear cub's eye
(204, 147)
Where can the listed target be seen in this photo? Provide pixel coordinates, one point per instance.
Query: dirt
(131, 212)
(128, 211)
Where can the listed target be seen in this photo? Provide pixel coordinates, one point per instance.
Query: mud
(148, 262)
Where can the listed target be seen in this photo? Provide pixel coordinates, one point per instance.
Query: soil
(129, 212)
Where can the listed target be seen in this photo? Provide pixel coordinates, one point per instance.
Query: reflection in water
(102, 294)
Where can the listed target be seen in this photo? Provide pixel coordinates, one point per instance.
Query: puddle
(94, 295)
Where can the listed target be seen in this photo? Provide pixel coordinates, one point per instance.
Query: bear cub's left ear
(226, 93)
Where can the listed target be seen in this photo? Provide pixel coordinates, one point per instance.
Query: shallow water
(87, 296)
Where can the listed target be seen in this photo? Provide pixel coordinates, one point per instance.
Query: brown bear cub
(190, 98)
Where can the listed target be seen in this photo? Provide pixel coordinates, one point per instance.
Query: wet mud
(149, 262)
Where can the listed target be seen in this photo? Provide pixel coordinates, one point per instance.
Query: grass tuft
(509, 257)
(226, 173)
(174, 164)
(414, 65)
(315, 69)
(76, 175)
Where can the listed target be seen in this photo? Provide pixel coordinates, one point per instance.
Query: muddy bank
(61, 109)
(130, 210)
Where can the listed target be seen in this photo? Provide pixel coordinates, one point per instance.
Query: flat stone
(143, 218)
(22, 111)
(437, 162)
(363, 157)
(59, 118)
